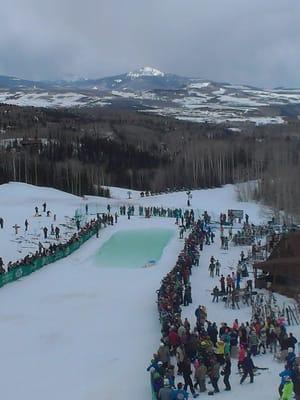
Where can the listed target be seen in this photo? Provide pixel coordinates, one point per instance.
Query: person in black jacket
(226, 372)
(291, 341)
(186, 373)
(248, 368)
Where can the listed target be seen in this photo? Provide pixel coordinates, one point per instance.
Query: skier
(211, 269)
(36, 211)
(218, 267)
(44, 207)
(1, 222)
(86, 209)
(242, 256)
(57, 230)
(45, 230)
(226, 243)
(222, 282)
(26, 225)
(216, 292)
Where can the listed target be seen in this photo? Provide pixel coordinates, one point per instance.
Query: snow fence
(27, 269)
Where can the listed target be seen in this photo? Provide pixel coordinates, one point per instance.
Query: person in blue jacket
(283, 374)
(291, 357)
(180, 393)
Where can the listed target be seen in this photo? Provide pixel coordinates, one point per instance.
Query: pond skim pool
(134, 248)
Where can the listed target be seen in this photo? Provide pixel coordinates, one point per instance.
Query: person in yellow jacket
(220, 348)
(288, 389)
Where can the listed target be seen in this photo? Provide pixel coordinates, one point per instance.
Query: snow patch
(145, 71)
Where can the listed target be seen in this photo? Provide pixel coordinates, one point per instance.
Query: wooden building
(281, 271)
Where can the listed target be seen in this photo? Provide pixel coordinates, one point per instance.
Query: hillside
(150, 90)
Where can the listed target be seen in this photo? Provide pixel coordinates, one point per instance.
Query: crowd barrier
(27, 269)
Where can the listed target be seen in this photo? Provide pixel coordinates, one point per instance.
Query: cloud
(242, 41)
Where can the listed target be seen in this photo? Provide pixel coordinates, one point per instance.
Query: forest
(83, 151)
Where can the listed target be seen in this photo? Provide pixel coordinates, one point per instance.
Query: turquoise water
(134, 248)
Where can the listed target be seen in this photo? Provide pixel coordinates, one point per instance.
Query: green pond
(133, 248)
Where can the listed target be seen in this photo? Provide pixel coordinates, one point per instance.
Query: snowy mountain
(149, 90)
(145, 71)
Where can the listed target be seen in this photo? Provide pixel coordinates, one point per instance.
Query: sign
(235, 214)
(18, 273)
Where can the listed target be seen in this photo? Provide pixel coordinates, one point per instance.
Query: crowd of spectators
(193, 357)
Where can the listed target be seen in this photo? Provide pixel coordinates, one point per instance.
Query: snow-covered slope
(77, 331)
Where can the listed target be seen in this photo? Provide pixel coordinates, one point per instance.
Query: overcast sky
(239, 41)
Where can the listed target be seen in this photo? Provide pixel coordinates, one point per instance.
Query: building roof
(285, 258)
(288, 246)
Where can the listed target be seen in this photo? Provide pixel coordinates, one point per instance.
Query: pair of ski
(256, 371)
(291, 316)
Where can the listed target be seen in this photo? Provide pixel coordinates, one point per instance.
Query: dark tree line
(82, 151)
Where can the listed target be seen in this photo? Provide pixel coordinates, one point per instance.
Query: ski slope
(74, 330)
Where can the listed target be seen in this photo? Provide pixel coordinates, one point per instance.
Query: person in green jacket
(288, 389)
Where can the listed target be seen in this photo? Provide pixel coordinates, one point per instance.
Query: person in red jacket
(174, 340)
(241, 358)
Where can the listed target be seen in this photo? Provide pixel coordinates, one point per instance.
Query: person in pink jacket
(242, 356)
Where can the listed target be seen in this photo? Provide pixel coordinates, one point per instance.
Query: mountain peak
(145, 71)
